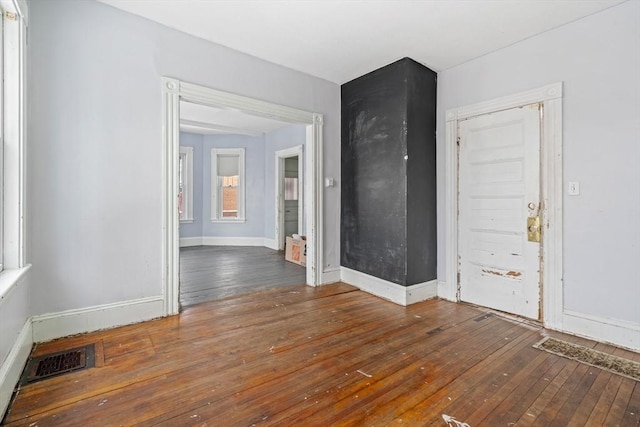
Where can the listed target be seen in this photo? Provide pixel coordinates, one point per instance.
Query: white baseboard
(233, 241)
(332, 275)
(186, 242)
(57, 325)
(612, 331)
(227, 241)
(447, 292)
(12, 367)
(403, 295)
(271, 244)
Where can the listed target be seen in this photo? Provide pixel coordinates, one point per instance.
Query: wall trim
(444, 291)
(233, 241)
(613, 331)
(550, 97)
(70, 322)
(402, 295)
(331, 275)
(271, 244)
(12, 367)
(186, 242)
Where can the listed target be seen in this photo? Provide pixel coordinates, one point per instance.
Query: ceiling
(339, 40)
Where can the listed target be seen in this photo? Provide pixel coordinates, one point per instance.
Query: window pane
(229, 202)
(228, 164)
(230, 181)
(291, 188)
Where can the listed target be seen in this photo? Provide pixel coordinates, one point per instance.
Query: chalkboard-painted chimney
(388, 217)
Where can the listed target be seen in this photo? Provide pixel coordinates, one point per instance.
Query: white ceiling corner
(340, 40)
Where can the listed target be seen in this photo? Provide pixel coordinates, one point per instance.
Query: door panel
(499, 187)
(290, 217)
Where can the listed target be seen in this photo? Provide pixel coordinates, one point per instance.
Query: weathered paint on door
(499, 188)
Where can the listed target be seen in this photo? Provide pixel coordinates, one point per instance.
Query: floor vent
(483, 317)
(589, 356)
(54, 364)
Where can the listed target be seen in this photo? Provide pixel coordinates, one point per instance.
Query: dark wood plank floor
(214, 272)
(332, 355)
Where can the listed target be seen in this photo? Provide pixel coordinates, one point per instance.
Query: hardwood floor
(333, 355)
(214, 272)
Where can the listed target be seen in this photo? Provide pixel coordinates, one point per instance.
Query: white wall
(598, 59)
(95, 117)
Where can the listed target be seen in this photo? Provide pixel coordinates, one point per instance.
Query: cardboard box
(296, 250)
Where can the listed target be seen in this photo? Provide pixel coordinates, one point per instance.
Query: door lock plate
(533, 229)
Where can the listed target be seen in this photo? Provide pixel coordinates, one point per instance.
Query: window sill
(234, 220)
(10, 278)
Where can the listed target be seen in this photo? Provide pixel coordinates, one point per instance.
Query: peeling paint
(510, 274)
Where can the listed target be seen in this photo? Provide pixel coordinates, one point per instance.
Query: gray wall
(194, 229)
(94, 144)
(598, 59)
(260, 176)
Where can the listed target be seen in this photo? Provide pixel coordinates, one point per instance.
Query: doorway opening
(175, 92)
(289, 203)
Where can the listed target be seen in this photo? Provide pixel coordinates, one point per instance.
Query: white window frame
(216, 189)
(14, 33)
(186, 216)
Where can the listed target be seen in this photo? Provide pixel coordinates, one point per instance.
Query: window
(185, 184)
(1, 139)
(227, 185)
(13, 27)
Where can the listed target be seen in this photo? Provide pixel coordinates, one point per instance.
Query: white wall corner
(57, 325)
(12, 366)
(402, 295)
(271, 244)
(421, 292)
(331, 275)
(612, 331)
(446, 291)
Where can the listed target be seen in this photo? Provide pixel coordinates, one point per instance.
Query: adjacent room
(320, 212)
(240, 197)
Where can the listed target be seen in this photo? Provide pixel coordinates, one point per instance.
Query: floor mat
(608, 362)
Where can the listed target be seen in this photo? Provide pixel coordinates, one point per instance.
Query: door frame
(550, 98)
(173, 91)
(280, 156)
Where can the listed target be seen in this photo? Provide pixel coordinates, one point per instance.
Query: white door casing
(173, 91)
(550, 97)
(280, 156)
(499, 187)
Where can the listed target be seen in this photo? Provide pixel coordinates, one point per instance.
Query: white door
(499, 188)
